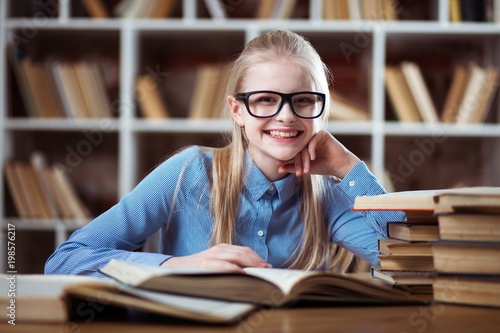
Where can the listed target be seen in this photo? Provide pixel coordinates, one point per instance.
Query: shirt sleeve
(123, 229)
(359, 231)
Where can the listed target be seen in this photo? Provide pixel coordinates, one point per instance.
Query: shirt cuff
(360, 181)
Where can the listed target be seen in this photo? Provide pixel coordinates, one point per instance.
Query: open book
(263, 286)
(61, 298)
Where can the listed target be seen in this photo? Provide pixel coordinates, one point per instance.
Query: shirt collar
(257, 184)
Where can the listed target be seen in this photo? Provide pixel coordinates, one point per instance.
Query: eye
(304, 100)
(263, 98)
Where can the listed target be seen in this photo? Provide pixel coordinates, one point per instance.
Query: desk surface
(407, 319)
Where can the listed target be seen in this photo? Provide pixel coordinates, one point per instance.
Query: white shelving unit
(127, 129)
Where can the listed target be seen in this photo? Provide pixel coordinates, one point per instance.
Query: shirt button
(260, 233)
(352, 183)
(271, 187)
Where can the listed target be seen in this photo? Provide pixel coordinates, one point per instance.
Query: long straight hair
(228, 162)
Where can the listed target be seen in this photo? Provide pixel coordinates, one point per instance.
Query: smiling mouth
(281, 134)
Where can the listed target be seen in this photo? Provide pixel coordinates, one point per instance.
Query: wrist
(351, 161)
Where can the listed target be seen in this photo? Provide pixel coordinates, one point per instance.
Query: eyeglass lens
(266, 104)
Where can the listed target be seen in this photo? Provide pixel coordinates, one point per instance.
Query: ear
(235, 109)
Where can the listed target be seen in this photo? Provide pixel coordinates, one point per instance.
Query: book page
(223, 309)
(135, 274)
(285, 279)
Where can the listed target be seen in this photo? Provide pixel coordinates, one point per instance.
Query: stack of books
(406, 258)
(451, 237)
(467, 256)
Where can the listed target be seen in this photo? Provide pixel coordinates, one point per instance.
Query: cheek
(317, 125)
(253, 124)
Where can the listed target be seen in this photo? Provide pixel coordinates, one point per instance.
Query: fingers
(304, 161)
(224, 257)
(242, 256)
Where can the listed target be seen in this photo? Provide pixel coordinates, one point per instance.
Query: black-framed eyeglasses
(268, 103)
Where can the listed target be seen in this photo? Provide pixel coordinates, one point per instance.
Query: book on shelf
(478, 94)
(55, 89)
(411, 232)
(476, 80)
(344, 109)
(467, 289)
(353, 9)
(474, 11)
(66, 189)
(207, 91)
(66, 298)
(359, 9)
(95, 8)
(337, 10)
(144, 9)
(496, 11)
(39, 167)
(43, 192)
(265, 9)
(454, 7)
(390, 246)
(275, 9)
(400, 96)
(265, 286)
(126, 8)
(455, 94)
(150, 101)
(33, 203)
(216, 9)
(15, 186)
(36, 86)
(487, 95)
(419, 91)
(470, 94)
(81, 88)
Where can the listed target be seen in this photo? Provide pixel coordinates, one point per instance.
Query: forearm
(361, 182)
(118, 233)
(76, 259)
(359, 231)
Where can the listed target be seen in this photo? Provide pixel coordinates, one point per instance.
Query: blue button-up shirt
(269, 218)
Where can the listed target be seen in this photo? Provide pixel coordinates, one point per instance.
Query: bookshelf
(416, 155)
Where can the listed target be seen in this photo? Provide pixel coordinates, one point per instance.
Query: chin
(286, 157)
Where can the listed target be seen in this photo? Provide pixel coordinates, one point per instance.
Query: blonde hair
(228, 162)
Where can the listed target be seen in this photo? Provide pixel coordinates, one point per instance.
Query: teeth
(278, 134)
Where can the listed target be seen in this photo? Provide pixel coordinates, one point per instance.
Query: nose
(286, 114)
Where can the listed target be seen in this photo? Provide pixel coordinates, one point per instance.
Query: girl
(270, 198)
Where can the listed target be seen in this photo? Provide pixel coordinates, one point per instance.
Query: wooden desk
(400, 319)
